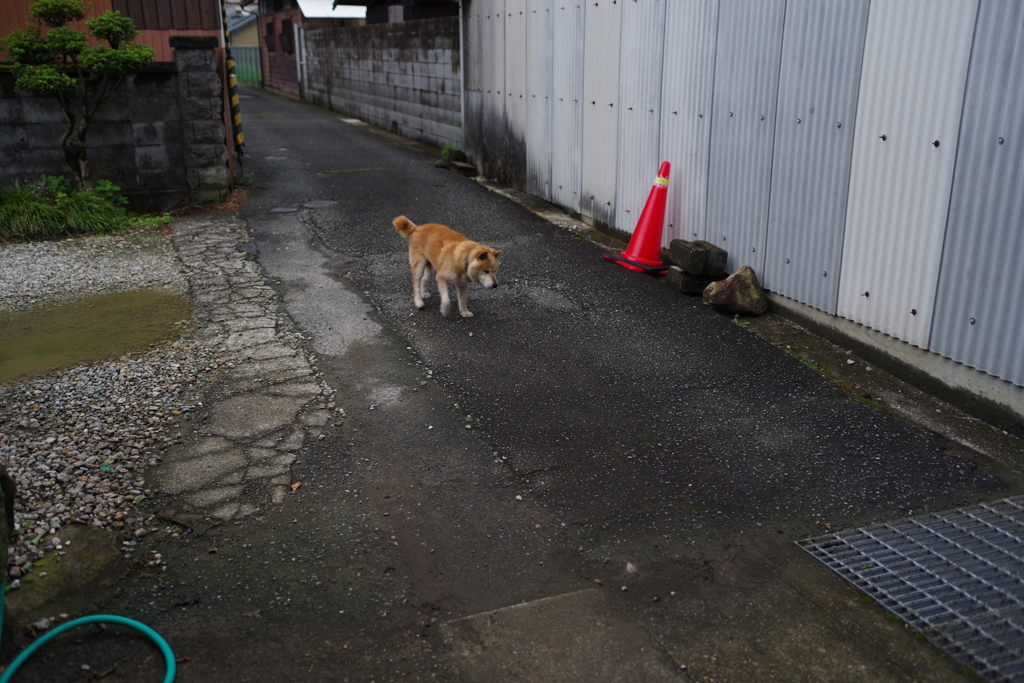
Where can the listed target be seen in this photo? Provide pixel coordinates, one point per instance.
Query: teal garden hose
(83, 621)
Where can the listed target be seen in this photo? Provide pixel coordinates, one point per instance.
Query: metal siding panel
(493, 74)
(643, 28)
(819, 75)
(600, 109)
(981, 277)
(567, 104)
(911, 91)
(539, 48)
(742, 128)
(691, 29)
(515, 93)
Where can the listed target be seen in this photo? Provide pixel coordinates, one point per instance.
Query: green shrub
(50, 208)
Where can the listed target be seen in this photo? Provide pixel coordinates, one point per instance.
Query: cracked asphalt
(592, 479)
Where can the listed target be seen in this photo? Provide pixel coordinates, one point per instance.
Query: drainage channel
(956, 576)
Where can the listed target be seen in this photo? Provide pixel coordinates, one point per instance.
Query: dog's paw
(466, 314)
(425, 295)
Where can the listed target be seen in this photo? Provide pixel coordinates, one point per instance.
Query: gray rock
(739, 293)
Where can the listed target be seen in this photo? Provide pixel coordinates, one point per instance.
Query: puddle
(87, 330)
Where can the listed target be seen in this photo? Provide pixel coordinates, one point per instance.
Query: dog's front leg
(463, 289)
(442, 288)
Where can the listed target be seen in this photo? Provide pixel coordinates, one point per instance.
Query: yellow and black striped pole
(236, 111)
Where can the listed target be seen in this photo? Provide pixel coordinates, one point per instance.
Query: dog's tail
(404, 226)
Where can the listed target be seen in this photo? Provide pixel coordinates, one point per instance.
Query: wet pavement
(594, 478)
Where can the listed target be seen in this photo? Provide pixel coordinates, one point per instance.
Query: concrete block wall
(160, 138)
(402, 77)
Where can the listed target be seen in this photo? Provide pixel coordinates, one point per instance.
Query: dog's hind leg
(428, 272)
(420, 269)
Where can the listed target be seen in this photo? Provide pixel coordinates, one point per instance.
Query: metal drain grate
(956, 576)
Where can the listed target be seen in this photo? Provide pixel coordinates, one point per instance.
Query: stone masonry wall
(402, 77)
(160, 137)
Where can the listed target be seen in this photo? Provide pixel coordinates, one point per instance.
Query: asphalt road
(631, 464)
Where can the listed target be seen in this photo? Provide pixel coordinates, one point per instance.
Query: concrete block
(678, 280)
(149, 110)
(688, 256)
(154, 84)
(203, 156)
(42, 110)
(204, 132)
(203, 84)
(11, 111)
(214, 178)
(198, 108)
(186, 60)
(154, 133)
(162, 179)
(716, 258)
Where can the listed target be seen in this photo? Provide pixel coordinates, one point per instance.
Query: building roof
(324, 9)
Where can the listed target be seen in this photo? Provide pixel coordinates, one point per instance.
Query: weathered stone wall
(160, 137)
(402, 77)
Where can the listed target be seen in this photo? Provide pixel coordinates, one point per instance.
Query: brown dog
(436, 248)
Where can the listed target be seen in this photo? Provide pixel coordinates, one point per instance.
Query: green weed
(50, 208)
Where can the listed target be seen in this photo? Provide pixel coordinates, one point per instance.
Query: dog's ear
(482, 256)
(495, 252)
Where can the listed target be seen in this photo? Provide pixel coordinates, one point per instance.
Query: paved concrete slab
(564, 639)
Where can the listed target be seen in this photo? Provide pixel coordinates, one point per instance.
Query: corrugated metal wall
(602, 24)
(743, 128)
(539, 86)
(977, 311)
(817, 106)
(567, 103)
(911, 95)
(643, 23)
(688, 81)
(772, 114)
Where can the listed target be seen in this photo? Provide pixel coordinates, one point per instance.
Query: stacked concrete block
(695, 265)
(161, 137)
(201, 101)
(401, 77)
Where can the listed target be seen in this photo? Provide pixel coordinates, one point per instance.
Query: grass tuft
(50, 209)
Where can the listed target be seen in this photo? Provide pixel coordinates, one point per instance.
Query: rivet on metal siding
(913, 311)
(972, 321)
(883, 138)
(699, 116)
(867, 294)
(824, 274)
(838, 125)
(723, 238)
(787, 260)
(629, 108)
(1001, 141)
(936, 143)
(752, 250)
(675, 113)
(730, 113)
(798, 120)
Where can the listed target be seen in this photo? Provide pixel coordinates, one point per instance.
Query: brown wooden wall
(186, 17)
(171, 14)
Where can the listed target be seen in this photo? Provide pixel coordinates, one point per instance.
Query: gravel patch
(44, 273)
(76, 441)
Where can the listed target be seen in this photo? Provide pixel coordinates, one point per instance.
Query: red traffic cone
(644, 251)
